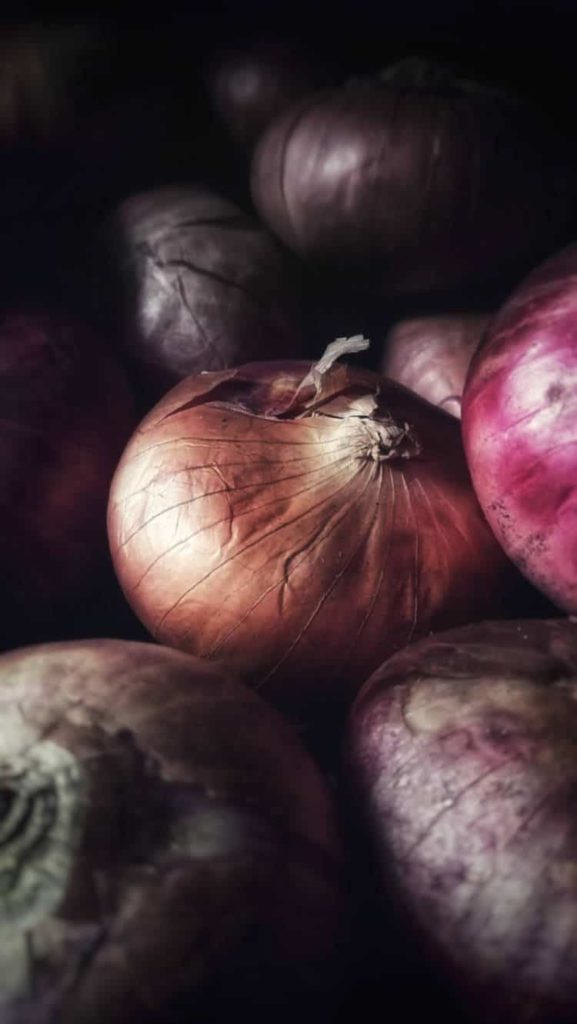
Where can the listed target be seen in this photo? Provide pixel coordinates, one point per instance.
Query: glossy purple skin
(411, 189)
(520, 427)
(202, 285)
(431, 355)
(463, 752)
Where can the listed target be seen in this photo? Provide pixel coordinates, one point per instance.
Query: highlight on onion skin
(520, 427)
(300, 523)
(162, 835)
(66, 413)
(198, 285)
(431, 355)
(414, 182)
(462, 752)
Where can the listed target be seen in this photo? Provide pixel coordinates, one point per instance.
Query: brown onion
(165, 843)
(431, 355)
(300, 523)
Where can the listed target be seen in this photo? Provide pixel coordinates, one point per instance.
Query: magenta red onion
(463, 752)
(431, 355)
(520, 427)
(300, 523)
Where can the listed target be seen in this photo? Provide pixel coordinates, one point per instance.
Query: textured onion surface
(431, 355)
(65, 414)
(160, 829)
(201, 285)
(301, 525)
(410, 185)
(520, 427)
(464, 751)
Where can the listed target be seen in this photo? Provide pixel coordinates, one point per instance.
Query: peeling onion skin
(256, 521)
(411, 185)
(66, 413)
(162, 834)
(462, 750)
(431, 355)
(520, 427)
(199, 284)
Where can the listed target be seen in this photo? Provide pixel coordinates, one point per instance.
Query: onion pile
(300, 523)
(431, 355)
(520, 427)
(163, 838)
(463, 749)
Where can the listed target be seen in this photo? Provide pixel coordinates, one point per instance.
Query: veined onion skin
(300, 523)
(462, 753)
(520, 427)
(164, 838)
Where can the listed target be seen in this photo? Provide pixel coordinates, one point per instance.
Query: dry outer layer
(300, 523)
(464, 747)
(159, 826)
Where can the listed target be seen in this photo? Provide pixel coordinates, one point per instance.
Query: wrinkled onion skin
(520, 427)
(410, 190)
(203, 843)
(431, 355)
(65, 415)
(201, 286)
(281, 546)
(250, 85)
(462, 749)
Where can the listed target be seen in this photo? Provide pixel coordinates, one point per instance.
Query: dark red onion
(202, 286)
(300, 523)
(249, 85)
(520, 427)
(167, 848)
(65, 415)
(415, 183)
(431, 355)
(463, 750)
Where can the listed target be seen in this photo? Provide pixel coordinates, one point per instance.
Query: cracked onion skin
(300, 524)
(520, 427)
(167, 847)
(66, 412)
(431, 355)
(462, 751)
(198, 285)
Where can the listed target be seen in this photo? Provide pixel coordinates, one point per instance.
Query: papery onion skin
(249, 85)
(301, 548)
(431, 355)
(66, 412)
(520, 427)
(174, 840)
(415, 184)
(462, 752)
(200, 285)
